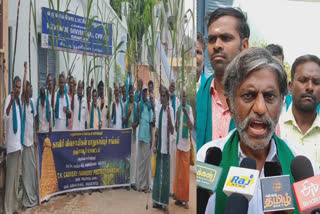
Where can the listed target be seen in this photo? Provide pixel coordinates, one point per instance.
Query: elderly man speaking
(255, 85)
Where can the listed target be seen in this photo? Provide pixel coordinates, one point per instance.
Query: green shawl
(204, 115)
(230, 156)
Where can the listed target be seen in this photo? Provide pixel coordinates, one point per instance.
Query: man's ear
(290, 87)
(245, 44)
(229, 106)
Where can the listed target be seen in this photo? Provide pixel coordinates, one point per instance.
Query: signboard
(208, 175)
(68, 32)
(276, 193)
(77, 160)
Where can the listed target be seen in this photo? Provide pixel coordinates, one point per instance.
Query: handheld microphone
(237, 203)
(276, 189)
(242, 179)
(307, 186)
(208, 176)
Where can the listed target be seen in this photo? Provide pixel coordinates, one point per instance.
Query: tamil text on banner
(78, 160)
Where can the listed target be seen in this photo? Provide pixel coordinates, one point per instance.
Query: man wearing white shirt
(29, 169)
(43, 112)
(117, 109)
(80, 110)
(13, 118)
(174, 102)
(164, 126)
(255, 85)
(103, 104)
(61, 106)
(184, 123)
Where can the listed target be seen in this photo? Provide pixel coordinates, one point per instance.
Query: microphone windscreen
(301, 168)
(272, 169)
(213, 156)
(248, 163)
(236, 203)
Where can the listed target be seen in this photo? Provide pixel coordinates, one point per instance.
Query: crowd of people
(161, 127)
(245, 110)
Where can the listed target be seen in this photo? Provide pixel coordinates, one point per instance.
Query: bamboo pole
(15, 42)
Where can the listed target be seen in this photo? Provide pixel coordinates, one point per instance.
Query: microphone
(208, 175)
(276, 189)
(237, 203)
(242, 179)
(306, 188)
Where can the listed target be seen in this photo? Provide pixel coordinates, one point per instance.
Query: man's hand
(65, 109)
(25, 66)
(12, 97)
(92, 81)
(100, 125)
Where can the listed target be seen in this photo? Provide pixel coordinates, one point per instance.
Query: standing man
(117, 108)
(138, 93)
(61, 106)
(13, 118)
(164, 126)
(103, 104)
(131, 121)
(124, 95)
(144, 144)
(150, 87)
(184, 124)
(174, 102)
(95, 113)
(201, 79)
(301, 123)
(255, 85)
(43, 112)
(276, 50)
(80, 109)
(29, 170)
(228, 35)
(71, 93)
(49, 88)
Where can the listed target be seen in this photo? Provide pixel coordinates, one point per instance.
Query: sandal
(186, 205)
(178, 203)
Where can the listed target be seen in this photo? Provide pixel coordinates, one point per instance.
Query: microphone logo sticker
(240, 181)
(311, 188)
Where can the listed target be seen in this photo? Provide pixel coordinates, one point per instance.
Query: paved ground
(112, 201)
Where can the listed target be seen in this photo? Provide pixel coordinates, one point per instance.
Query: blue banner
(75, 160)
(68, 32)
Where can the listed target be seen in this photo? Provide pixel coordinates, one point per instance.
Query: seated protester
(43, 112)
(103, 104)
(301, 123)
(95, 113)
(164, 130)
(61, 106)
(255, 85)
(117, 109)
(79, 108)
